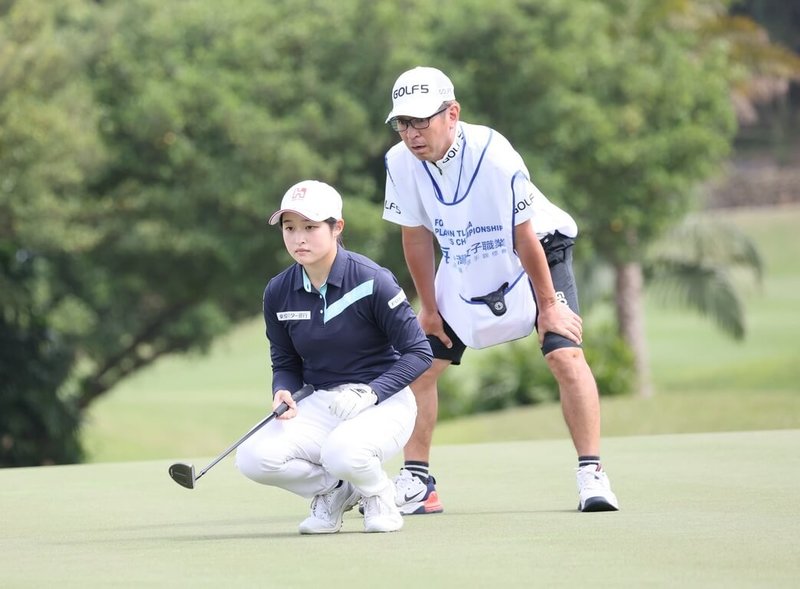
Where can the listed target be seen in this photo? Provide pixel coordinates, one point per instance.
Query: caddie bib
(471, 208)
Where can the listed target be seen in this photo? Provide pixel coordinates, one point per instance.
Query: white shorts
(311, 452)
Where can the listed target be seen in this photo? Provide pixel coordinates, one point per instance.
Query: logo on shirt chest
(294, 315)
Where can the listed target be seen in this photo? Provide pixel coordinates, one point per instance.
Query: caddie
(505, 270)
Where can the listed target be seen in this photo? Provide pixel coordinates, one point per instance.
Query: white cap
(420, 92)
(316, 201)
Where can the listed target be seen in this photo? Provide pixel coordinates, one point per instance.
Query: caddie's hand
(284, 396)
(353, 400)
(559, 318)
(432, 324)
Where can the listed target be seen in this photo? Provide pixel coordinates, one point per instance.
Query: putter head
(183, 474)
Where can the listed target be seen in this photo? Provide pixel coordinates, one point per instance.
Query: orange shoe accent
(432, 503)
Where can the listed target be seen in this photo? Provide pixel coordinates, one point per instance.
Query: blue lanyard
(456, 199)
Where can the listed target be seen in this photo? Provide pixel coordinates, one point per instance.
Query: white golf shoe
(327, 510)
(594, 490)
(381, 513)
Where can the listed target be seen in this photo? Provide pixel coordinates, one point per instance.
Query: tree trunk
(629, 300)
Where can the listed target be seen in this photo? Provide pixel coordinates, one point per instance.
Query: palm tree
(701, 265)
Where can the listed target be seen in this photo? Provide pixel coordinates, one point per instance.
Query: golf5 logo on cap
(409, 90)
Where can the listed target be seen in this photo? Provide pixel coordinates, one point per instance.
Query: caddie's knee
(426, 383)
(567, 364)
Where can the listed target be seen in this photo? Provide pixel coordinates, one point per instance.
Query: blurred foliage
(37, 425)
(517, 374)
(143, 144)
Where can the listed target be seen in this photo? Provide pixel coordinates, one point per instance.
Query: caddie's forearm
(534, 260)
(418, 250)
(426, 292)
(539, 273)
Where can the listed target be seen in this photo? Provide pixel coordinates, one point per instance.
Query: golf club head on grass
(183, 474)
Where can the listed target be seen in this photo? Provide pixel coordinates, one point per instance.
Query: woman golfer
(338, 321)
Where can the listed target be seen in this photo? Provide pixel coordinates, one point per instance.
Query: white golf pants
(311, 452)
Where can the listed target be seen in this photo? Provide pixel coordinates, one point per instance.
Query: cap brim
(276, 216)
(419, 112)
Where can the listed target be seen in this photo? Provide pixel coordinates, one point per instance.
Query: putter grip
(297, 396)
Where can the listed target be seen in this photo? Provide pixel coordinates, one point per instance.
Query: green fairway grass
(698, 510)
(198, 405)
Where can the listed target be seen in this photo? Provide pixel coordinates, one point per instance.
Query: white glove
(352, 401)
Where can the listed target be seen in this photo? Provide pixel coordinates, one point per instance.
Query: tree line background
(143, 144)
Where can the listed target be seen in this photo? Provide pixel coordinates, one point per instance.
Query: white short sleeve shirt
(471, 200)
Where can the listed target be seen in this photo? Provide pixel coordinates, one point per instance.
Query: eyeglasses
(401, 125)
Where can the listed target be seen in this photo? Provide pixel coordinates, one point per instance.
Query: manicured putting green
(698, 510)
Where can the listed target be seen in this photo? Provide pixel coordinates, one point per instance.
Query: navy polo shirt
(358, 328)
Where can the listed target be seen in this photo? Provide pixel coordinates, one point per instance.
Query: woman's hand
(284, 396)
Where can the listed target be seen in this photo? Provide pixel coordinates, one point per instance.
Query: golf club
(183, 473)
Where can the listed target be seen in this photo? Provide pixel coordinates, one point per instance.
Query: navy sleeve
(287, 365)
(396, 318)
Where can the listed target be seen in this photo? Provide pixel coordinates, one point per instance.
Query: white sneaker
(327, 510)
(413, 496)
(381, 513)
(594, 490)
